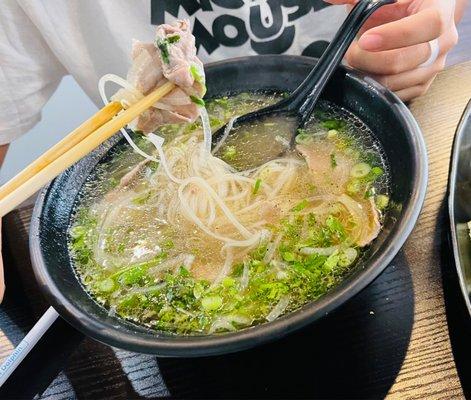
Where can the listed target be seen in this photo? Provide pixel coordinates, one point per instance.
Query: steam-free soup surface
(192, 245)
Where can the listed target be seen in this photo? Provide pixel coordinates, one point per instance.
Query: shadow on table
(458, 318)
(355, 352)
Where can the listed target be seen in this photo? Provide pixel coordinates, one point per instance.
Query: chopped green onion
(370, 192)
(300, 206)
(303, 137)
(198, 290)
(168, 244)
(142, 199)
(360, 170)
(211, 303)
(332, 133)
(197, 100)
(257, 185)
(332, 260)
(229, 153)
(354, 186)
(107, 285)
(173, 39)
(333, 124)
(289, 256)
(382, 201)
(196, 74)
(228, 282)
(347, 257)
(377, 171)
(333, 160)
(162, 45)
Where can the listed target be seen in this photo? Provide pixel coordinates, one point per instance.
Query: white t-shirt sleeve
(29, 72)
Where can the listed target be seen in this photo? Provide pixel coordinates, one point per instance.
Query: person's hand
(394, 43)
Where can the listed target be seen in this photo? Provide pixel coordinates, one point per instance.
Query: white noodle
(227, 130)
(278, 309)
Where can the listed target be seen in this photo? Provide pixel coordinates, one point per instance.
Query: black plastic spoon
(298, 107)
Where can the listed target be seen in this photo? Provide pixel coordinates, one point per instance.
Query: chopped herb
(333, 124)
(211, 303)
(377, 171)
(197, 100)
(354, 186)
(382, 201)
(300, 206)
(229, 153)
(162, 45)
(303, 137)
(173, 39)
(370, 192)
(196, 74)
(106, 285)
(142, 199)
(333, 160)
(168, 244)
(360, 170)
(288, 256)
(332, 133)
(257, 185)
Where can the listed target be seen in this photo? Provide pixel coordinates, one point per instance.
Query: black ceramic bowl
(384, 113)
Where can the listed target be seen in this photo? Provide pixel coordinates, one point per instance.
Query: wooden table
(391, 340)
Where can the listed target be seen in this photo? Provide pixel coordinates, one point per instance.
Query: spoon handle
(305, 97)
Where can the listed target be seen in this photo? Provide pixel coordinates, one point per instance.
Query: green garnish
(333, 124)
(107, 285)
(332, 133)
(303, 137)
(211, 303)
(162, 45)
(142, 199)
(257, 185)
(173, 39)
(360, 170)
(197, 100)
(354, 186)
(382, 201)
(300, 206)
(196, 74)
(229, 153)
(333, 160)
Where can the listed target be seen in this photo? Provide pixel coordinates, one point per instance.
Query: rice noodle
(193, 189)
(227, 130)
(278, 309)
(206, 129)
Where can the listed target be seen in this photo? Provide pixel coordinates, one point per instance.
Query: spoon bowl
(297, 108)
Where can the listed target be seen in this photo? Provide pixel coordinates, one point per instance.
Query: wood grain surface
(438, 114)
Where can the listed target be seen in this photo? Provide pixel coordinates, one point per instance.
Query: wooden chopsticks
(73, 147)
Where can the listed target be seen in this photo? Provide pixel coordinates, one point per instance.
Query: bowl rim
(461, 132)
(204, 345)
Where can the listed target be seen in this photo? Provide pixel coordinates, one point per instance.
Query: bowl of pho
(169, 245)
